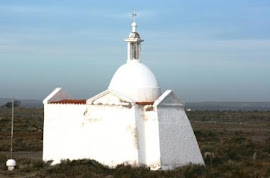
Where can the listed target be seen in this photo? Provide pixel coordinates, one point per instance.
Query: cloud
(16, 9)
(67, 11)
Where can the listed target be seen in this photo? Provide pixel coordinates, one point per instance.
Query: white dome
(136, 81)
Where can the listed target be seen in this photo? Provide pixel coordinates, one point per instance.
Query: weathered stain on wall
(132, 130)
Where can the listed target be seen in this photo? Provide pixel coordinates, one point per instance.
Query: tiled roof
(83, 101)
(70, 101)
(144, 103)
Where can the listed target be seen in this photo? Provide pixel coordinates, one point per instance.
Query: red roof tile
(70, 101)
(144, 103)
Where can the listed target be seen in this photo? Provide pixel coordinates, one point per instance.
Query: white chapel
(132, 122)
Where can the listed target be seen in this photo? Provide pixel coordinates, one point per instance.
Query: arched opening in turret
(135, 50)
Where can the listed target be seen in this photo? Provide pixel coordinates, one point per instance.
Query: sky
(203, 50)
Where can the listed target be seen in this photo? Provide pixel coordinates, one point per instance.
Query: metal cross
(134, 16)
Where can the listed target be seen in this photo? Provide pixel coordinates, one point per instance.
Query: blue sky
(203, 50)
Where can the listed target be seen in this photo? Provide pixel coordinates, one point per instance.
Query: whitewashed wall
(61, 134)
(107, 134)
(113, 130)
(152, 145)
(110, 134)
(140, 134)
(178, 145)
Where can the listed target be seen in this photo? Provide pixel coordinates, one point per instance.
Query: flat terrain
(233, 143)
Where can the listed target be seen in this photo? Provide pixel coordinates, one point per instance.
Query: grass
(238, 141)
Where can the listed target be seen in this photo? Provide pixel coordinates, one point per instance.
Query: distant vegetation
(233, 143)
(9, 104)
(195, 106)
(26, 103)
(228, 106)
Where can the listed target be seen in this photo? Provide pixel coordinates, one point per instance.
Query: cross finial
(134, 16)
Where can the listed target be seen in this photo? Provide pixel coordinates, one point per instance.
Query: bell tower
(134, 42)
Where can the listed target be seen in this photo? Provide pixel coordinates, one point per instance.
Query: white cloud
(15, 9)
(53, 10)
(66, 11)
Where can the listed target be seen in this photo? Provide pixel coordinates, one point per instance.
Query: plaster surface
(136, 81)
(113, 129)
